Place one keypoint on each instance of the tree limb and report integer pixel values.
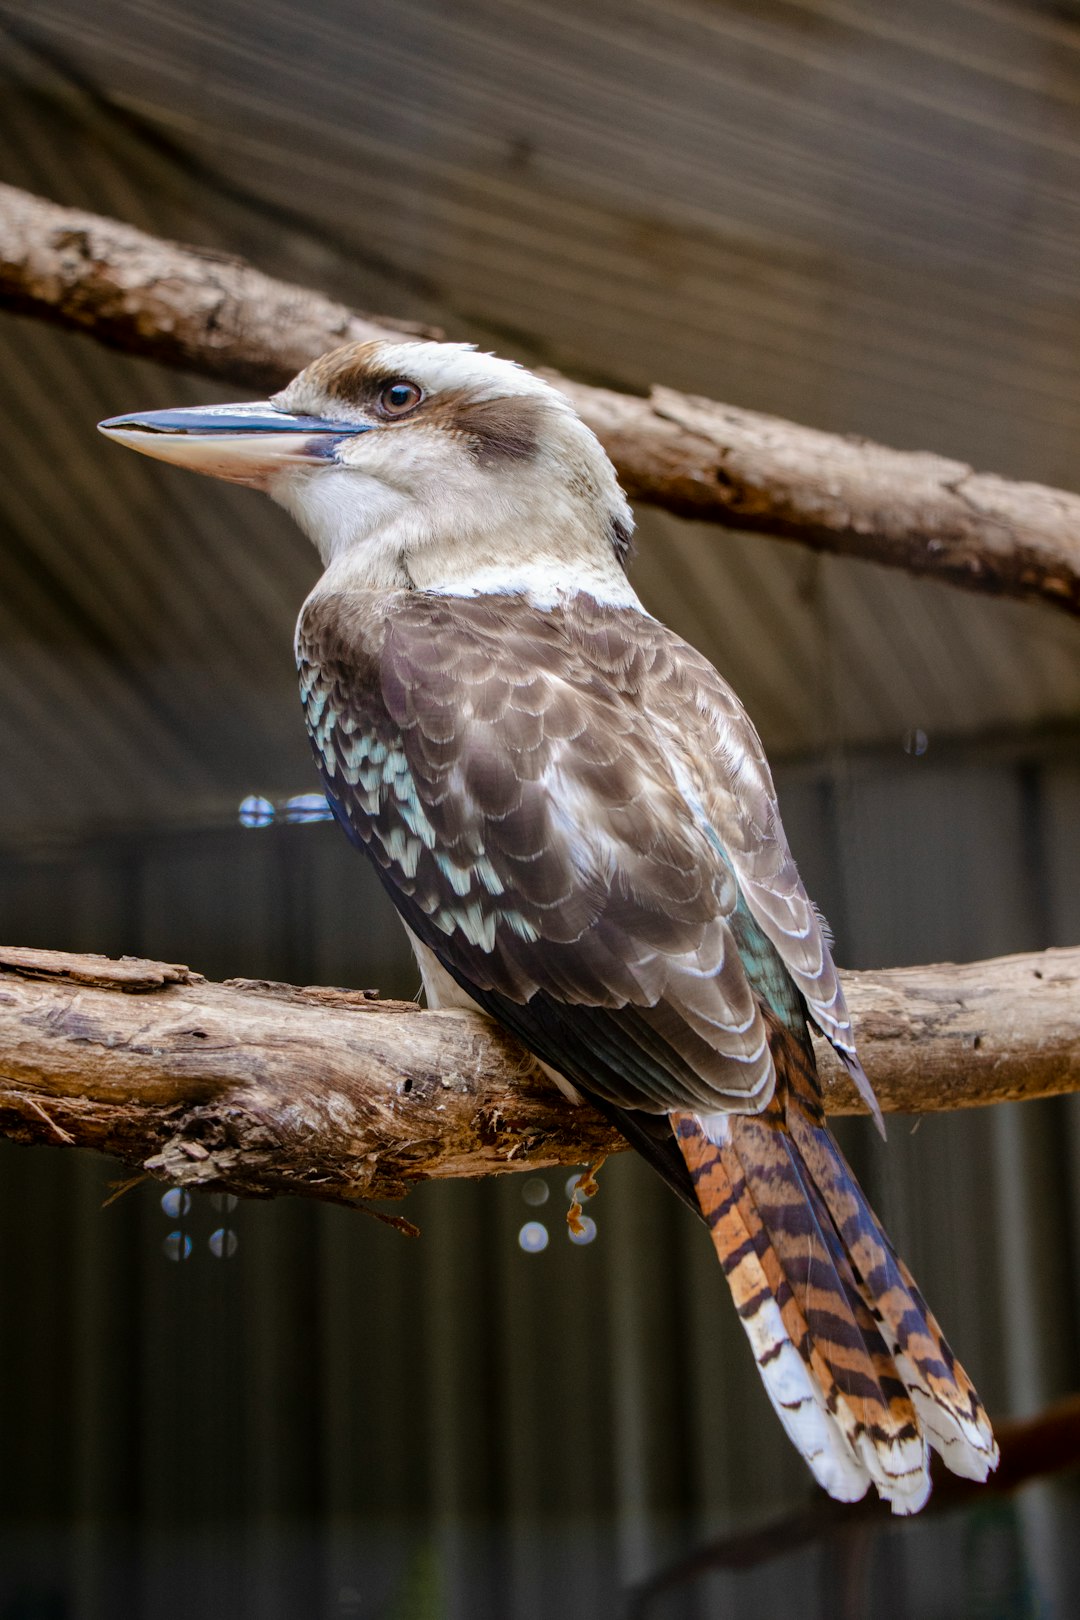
(267, 1088)
(210, 313)
(1031, 1448)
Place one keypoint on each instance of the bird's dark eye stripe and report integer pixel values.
(400, 396)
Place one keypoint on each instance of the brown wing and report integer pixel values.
(505, 770)
(725, 775)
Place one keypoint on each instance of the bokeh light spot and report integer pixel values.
(255, 811)
(304, 807)
(176, 1202)
(533, 1237)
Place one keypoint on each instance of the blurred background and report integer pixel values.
(860, 214)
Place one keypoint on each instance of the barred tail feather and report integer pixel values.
(853, 1362)
(945, 1400)
(796, 1396)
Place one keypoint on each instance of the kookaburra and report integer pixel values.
(574, 817)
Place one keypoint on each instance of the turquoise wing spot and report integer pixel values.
(375, 793)
(315, 701)
(416, 820)
(765, 967)
(459, 878)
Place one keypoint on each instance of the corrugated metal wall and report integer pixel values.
(452, 1427)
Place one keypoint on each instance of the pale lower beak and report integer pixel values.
(246, 444)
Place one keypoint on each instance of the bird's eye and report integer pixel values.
(400, 396)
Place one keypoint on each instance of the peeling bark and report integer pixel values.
(268, 1088)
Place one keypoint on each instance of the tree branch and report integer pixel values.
(1031, 1448)
(206, 312)
(268, 1089)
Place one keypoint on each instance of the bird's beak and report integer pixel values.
(246, 444)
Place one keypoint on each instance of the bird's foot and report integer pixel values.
(586, 1186)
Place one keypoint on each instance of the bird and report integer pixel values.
(574, 817)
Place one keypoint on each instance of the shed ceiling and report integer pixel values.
(861, 216)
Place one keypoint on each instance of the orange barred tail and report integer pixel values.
(854, 1364)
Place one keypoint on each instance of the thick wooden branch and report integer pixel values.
(217, 315)
(267, 1088)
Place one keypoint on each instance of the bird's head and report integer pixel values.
(418, 464)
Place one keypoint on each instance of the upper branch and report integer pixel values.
(217, 315)
(266, 1088)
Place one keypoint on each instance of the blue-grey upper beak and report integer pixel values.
(246, 443)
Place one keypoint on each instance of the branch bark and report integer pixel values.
(217, 315)
(268, 1088)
